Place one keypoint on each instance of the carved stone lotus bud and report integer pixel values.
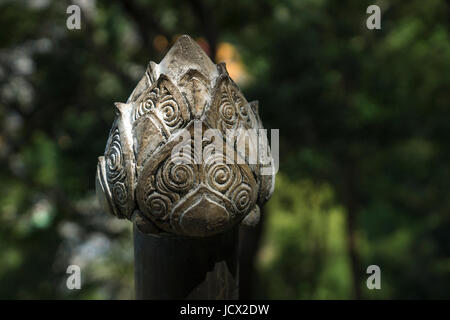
(210, 184)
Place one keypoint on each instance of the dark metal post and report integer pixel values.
(175, 267)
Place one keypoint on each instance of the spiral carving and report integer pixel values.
(115, 170)
(161, 102)
(179, 174)
(242, 106)
(158, 204)
(242, 198)
(244, 113)
(172, 179)
(231, 106)
(119, 191)
(220, 175)
(170, 111)
(147, 104)
(114, 159)
(227, 112)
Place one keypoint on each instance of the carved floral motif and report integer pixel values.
(140, 177)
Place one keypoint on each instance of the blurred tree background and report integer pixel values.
(364, 128)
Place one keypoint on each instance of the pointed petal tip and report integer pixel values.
(255, 106)
(185, 46)
(187, 42)
(120, 106)
(186, 54)
(184, 37)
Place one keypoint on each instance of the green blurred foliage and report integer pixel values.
(364, 129)
(304, 251)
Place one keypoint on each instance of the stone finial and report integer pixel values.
(184, 153)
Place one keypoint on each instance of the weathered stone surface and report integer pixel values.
(213, 182)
